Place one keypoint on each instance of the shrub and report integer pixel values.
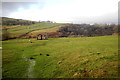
(5, 35)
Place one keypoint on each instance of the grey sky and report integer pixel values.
(10, 7)
(71, 11)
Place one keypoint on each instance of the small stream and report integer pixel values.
(32, 64)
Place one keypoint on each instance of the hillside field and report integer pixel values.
(86, 57)
(34, 29)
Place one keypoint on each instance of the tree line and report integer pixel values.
(88, 30)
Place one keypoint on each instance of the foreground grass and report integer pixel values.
(93, 57)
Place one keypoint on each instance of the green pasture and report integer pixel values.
(87, 57)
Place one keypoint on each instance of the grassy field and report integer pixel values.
(93, 57)
(48, 30)
(18, 30)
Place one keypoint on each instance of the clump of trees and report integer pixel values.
(5, 35)
(88, 30)
(11, 21)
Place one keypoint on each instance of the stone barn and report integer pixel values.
(42, 36)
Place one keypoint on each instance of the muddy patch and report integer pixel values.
(40, 53)
(31, 58)
(47, 55)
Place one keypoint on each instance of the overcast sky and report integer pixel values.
(65, 11)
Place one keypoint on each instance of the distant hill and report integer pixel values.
(12, 21)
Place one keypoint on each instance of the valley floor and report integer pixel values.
(87, 57)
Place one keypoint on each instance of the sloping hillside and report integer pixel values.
(17, 28)
(21, 30)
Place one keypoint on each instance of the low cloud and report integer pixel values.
(11, 7)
